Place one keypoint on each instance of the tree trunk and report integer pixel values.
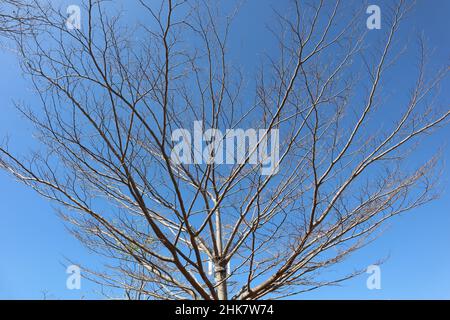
(220, 276)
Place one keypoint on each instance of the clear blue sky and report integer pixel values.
(34, 242)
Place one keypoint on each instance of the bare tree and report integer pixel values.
(113, 92)
(18, 17)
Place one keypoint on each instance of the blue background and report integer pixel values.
(34, 242)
